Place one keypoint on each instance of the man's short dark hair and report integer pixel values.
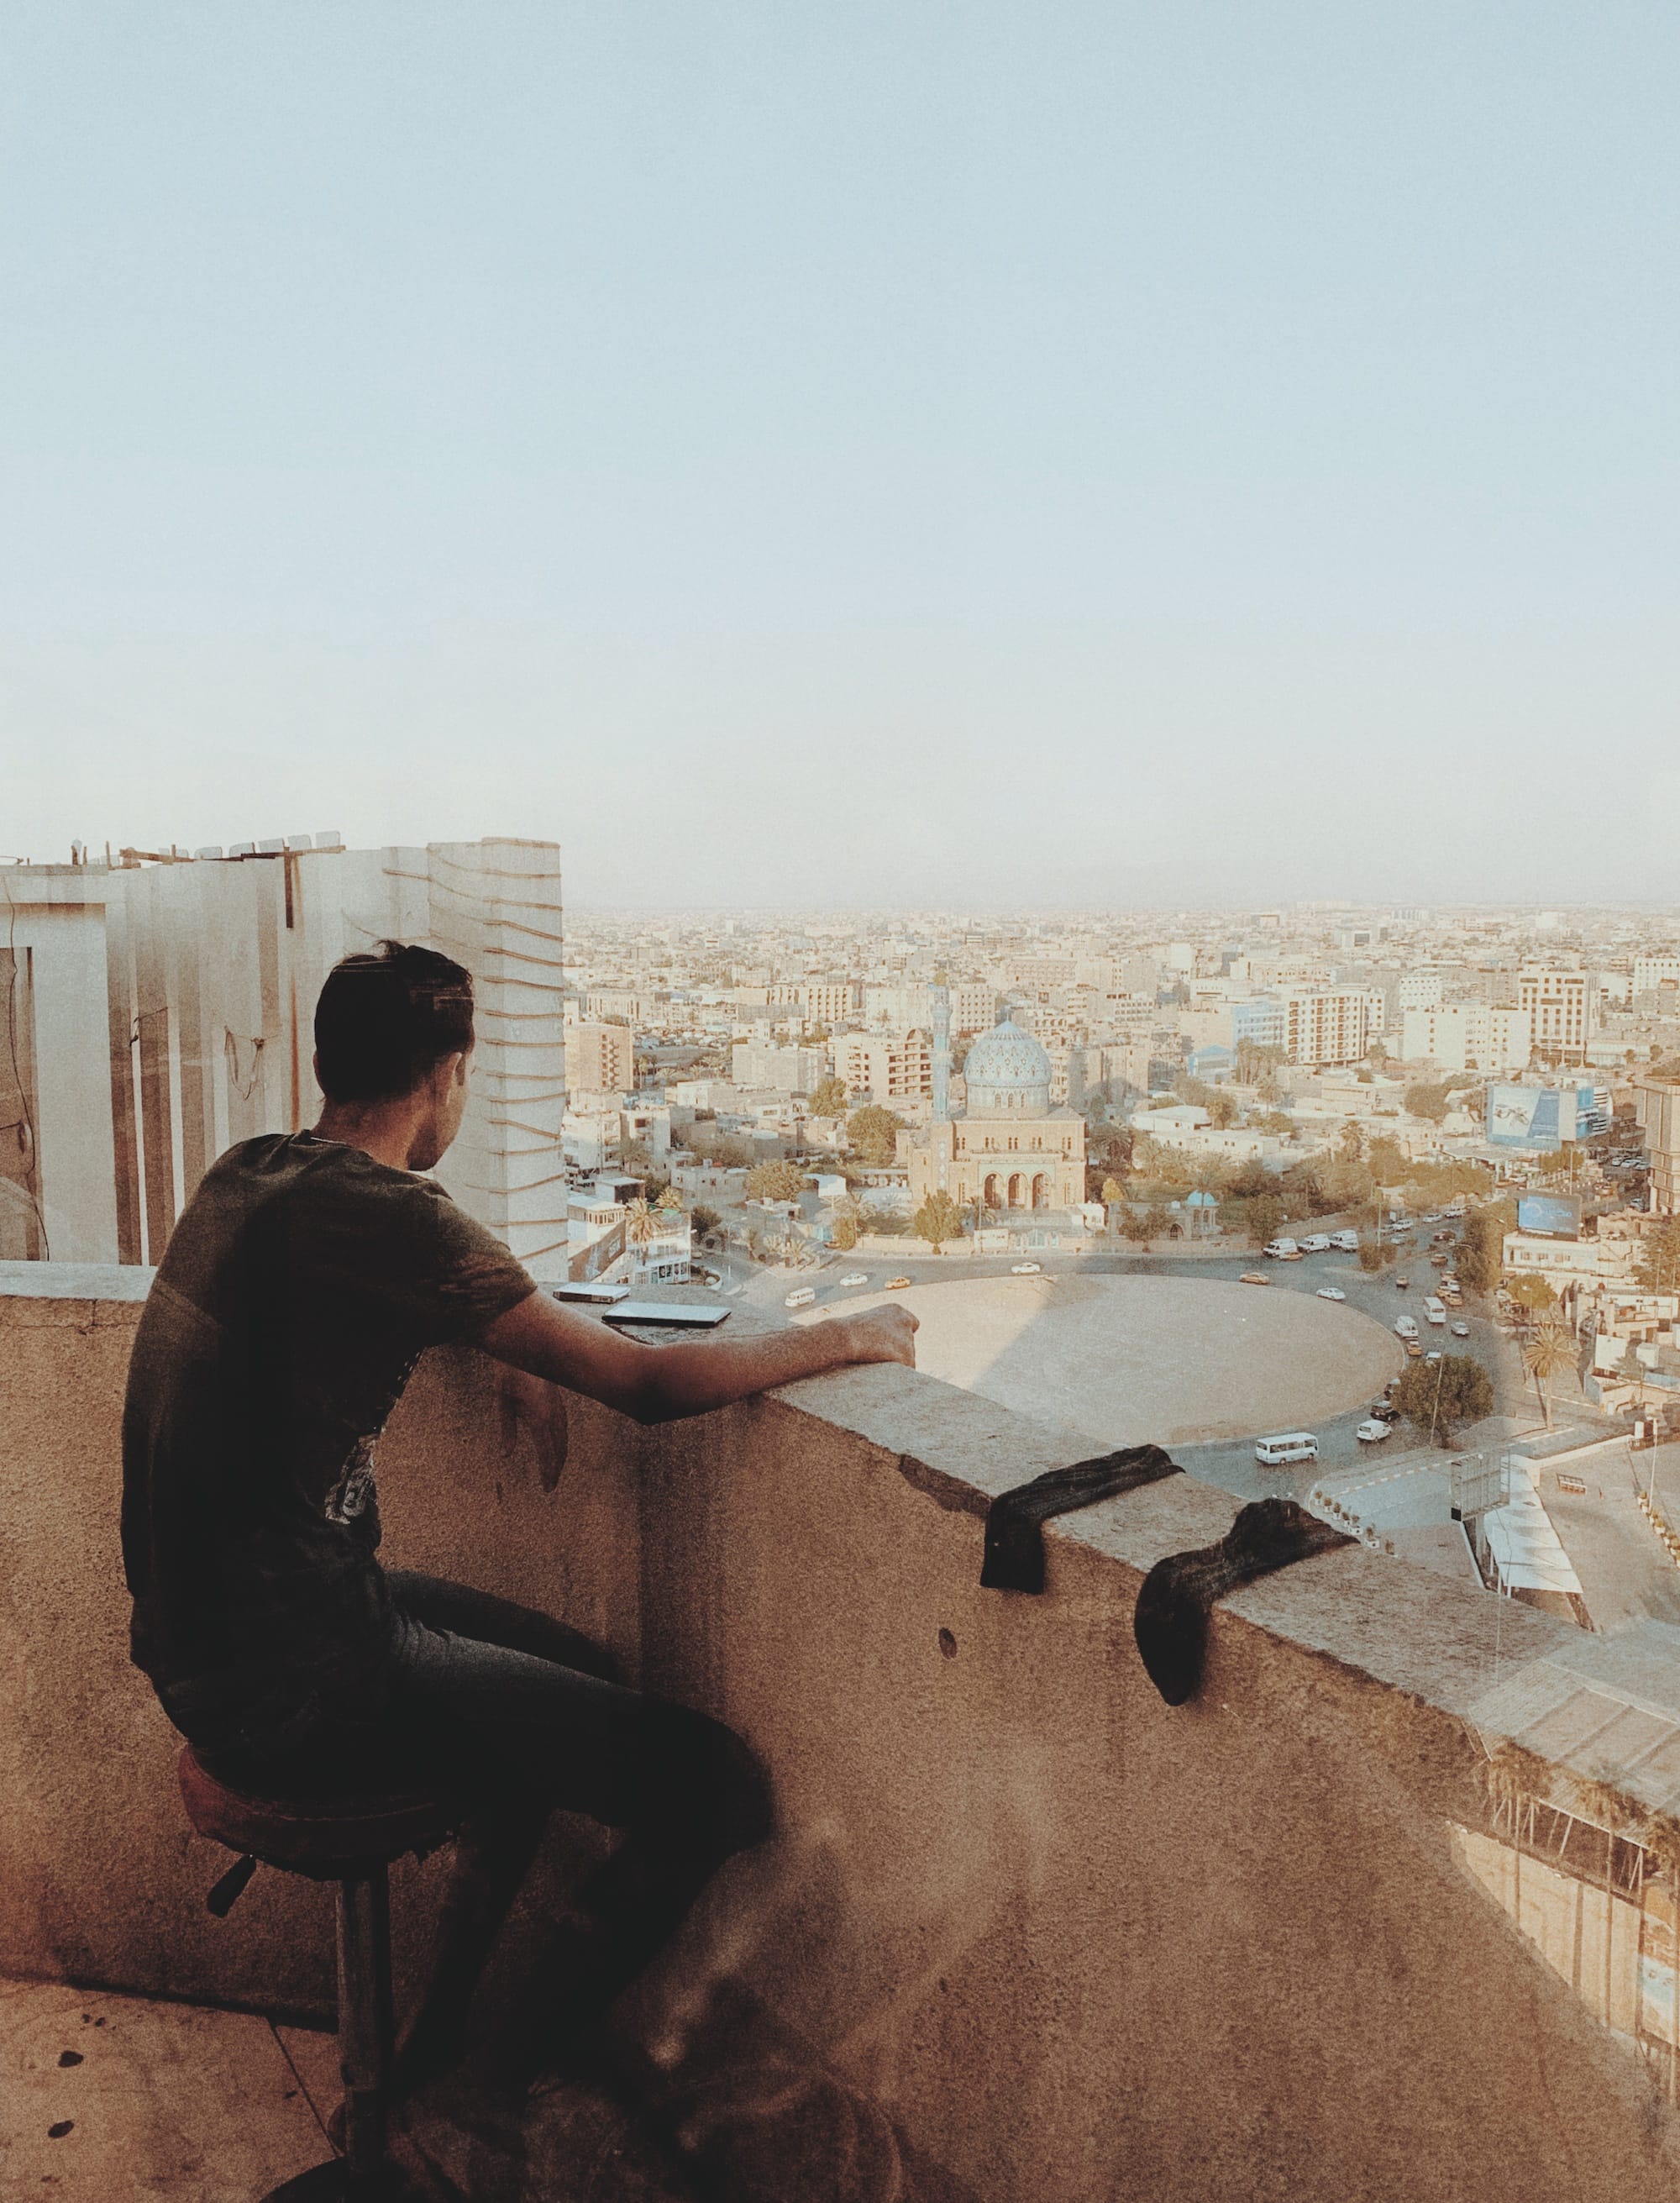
(384, 1021)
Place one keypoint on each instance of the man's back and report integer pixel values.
(302, 1283)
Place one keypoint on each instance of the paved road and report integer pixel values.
(1230, 1462)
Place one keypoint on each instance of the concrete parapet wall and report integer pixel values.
(1081, 1945)
(103, 1880)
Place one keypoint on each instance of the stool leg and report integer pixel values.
(364, 2020)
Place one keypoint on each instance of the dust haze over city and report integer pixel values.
(1025, 661)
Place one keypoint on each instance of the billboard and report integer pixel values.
(1554, 1215)
(1541, 1118)
(1525, 1117)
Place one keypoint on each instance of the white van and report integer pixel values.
(1317, 1244)
(1436, 1310)
(1282, 1452)
(802, 1298)
(1405, 1327)
(1347, 1242)
(1281, 1250)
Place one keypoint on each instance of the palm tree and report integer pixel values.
(1549, 1349)
(642, 1226)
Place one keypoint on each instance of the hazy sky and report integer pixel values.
(851, 453)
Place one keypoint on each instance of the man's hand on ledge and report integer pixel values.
(883, 1334)
(659, 1384)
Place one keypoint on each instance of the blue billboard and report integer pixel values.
(1525, 1117)
(1554, 1215)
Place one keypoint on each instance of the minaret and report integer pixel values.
(942, 1054)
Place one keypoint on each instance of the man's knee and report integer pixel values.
(709, 1781)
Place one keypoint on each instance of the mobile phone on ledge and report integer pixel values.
(592, 1295)
(673, 1313)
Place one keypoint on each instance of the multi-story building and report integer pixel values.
(1329, 1025)
(1562, 1007)
(1652, 972)
(889, 1070)
(1659, 1119)
(600, 1059)
(830, 1002)
(1420, 991)
(1469, 1037)
(783, 1070)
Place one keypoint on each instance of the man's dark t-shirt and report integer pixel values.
(301, 1286)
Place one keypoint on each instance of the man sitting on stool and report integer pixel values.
(305, 1279)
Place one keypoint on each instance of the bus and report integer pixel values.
(802, 1297)
(1435, 1309)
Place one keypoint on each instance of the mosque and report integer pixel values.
(1009, 1151)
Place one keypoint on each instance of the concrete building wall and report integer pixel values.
(1080, 1945)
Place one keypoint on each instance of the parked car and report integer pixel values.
(1026, 1269)
(1461, 1331)
(1414, 1351)
(1253, 1277)
(1371, 1433)
(895, 1285)
(1384, 1410)
(1281, 1250)
(1401, 1284)
(854, 1278)
(1317, 1243)
(1434, 1355)
(1347, 1242)
(1288, 1447)
(1405, 1327)
(1331, 1293)
(1441, 1238)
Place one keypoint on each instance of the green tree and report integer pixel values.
(704, 1221)
(1551, 1348)
(847, 1224)
(1135, 1225)
(1534, 1295)
(671, 1200)
(1437, 1396)
(1222, 1108)
(828, 1098)
(871, 1131)
(939, 1219)
(1425, 1100)
(1112, 1191)
(1387, 1158)
(1157, 1222)
(1375, 1254)
(883, 1223)
(775, 1181)
(1658, 1260)
(1479, 1262)
(1264, 1219)
(1351, 1146)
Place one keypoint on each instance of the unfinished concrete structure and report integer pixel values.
(157, 1013)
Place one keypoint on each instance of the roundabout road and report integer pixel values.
(1228, 1462)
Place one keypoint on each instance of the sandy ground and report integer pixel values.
(1128, 1359)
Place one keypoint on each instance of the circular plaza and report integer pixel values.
(1121, 1361)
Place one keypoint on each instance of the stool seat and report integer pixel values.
(327, 1838)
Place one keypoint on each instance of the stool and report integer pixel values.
(352, 1841)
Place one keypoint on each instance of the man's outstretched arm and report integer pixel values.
(658, 1384)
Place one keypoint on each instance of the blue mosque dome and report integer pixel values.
(1007, 1074)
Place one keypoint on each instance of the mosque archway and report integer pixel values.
(1040, 1198)
(990, 1194)
(1016, 1200)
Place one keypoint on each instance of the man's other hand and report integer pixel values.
(540, 1407)
(885, 1334)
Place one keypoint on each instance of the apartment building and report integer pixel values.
(1660, 1119)
(1562, 1007)
(600, 1059)
(889, 1070)
(830, 1002)
(1332, 1025)
(1469, 1037)
(784, 1070)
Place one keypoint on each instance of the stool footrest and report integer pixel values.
(231, 1888)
